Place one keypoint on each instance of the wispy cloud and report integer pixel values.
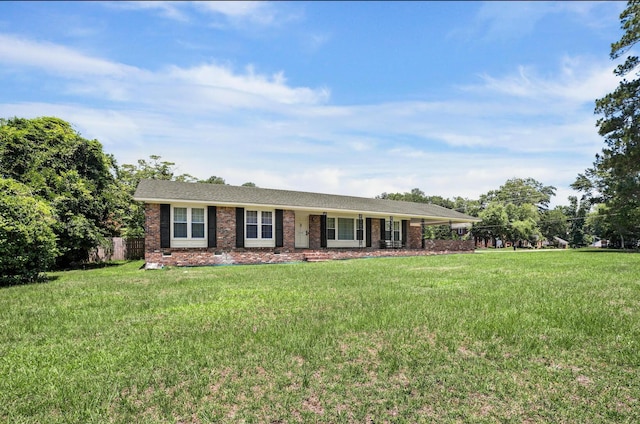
(506, 20)
(207, 86)
(577, 80)
(218, 84)
(58, 59)
(245, 125)
(168, 9)
(262, 13)
(220, 13)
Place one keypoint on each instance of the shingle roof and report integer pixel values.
(158, 191)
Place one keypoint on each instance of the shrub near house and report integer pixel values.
(27, 241)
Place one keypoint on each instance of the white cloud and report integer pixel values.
(247, 14)
(61, 60)
(579, 80)
(243, 89)
(246, 126)
(205, 87)
(252, 11)
(505, 20)
(168, 9)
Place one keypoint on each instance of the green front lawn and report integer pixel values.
(549, 336)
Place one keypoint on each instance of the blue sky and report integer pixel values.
(354, 98)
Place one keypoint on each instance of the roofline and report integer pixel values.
(435, 219)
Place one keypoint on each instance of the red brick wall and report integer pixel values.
(314, 231)
(152, 227)
(289, 229)
(227, 253)
(226, 224)
(414, 240)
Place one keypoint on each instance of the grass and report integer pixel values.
(520, 337)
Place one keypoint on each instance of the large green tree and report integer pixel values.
(577, 216)
(554, 223)
(523, 201)
(70, 173)
(521, 191)
(439, 232)
(614, 178)
(494, 224)
(523, 224)
(27, 242)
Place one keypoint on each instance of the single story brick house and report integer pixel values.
(215, 224)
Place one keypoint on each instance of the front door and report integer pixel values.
(302, 230)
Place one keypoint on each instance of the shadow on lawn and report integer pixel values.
(46, 278)
(42, 279)
(606, 250)
(95, 265)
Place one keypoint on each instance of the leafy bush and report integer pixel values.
(72, 174)
(27, 240)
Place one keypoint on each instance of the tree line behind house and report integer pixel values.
(62, 195)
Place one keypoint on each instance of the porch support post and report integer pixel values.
(323, 230)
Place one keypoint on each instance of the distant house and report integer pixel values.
(209, 224)
(562, 243)
(598, 242)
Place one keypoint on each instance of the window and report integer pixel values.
(345, 229)
(252, 224)
(188, 223)
(197, 223)
(397, 232)
(267, 225)
(262, 220)
(331, 228)
(344, 232)
(180, 222)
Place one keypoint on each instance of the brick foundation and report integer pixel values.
(226, 253)
(201, 257)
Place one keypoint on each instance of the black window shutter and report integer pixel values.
(368, 231)
(405, 232)
(383, 234)
(359, 230)
(165, 225)
(323, 230)
(239, 227)
(279, 228)
(212, 233)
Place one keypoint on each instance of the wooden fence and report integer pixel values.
(120, 249)
(134, 248)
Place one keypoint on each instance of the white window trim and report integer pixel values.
(188, 241)
(334, 228)
(396, 223)
(260, 242)
(331, 243)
